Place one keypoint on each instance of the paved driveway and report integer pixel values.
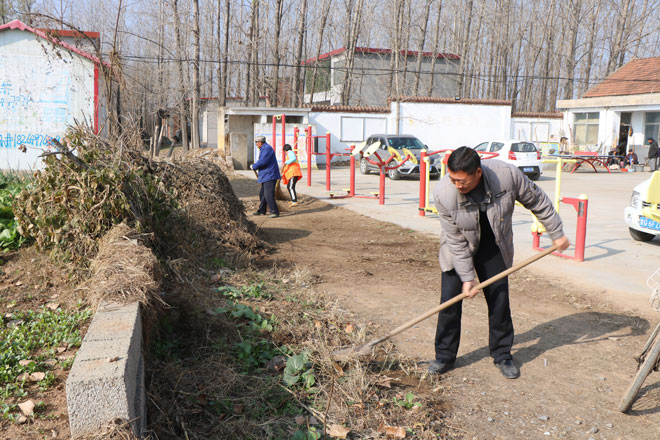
(615, 264)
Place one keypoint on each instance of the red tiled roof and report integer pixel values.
(636, 77)
(412, 53)
(348, 108)
(430, 99)
(17, 24)
(548, 115)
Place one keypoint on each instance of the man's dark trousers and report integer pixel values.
(488, 262)
(267, 197)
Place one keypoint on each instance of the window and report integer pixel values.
(497, 146)
(523, 147)
(651, 125)
(482, 146)
(586, 128)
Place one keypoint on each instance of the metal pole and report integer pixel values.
(422, 184)
(274, 140)
(381, 192)
(581, 233)
(328, 159)
(352, 186)
(308, 139)
(283, 137)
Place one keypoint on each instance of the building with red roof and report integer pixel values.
(48, 80)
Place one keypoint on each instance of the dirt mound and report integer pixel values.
(213, 222)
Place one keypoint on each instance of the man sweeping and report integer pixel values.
(475, 202)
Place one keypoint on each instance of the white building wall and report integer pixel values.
(537, 129)
(441, 126)
(42, 91)
(346, 129)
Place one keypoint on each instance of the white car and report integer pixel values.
(522, 154)
(643, 214)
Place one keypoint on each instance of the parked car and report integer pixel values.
(399, 142)
(643, 214)
(522, 154)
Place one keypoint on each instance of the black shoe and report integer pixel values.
(274, 215)
(439, 367)
(258, 213)
(508, 369)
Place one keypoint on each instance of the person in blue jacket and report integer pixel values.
(269, 174)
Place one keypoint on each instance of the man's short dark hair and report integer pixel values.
(464, 159)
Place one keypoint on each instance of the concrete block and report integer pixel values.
(107, 377)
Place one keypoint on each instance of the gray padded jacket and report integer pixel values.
(459, 217)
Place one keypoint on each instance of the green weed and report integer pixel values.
(408, 402)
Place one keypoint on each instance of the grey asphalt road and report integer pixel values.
(615, 265)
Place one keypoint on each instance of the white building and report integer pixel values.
(46, 83)
(623, 107)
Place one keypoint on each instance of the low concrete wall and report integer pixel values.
(107, 377)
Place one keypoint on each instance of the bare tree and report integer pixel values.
(302, 22)
(183, 119)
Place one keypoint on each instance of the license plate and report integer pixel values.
(647, 223)
(528, 170)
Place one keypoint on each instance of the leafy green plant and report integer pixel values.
(254, 291)
(306, 434)
(298, 371)
(408, 402)
(34, 336)
(10, 186)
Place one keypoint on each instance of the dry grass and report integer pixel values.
(124, 270)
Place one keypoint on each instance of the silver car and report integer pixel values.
(398, 142)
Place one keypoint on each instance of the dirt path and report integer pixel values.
(575, 352)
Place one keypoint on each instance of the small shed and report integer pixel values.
(47, 82)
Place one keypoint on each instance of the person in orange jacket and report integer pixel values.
(291, 173)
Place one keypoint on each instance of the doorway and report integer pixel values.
(625, 131)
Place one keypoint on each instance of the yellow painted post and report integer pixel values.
(428, 182)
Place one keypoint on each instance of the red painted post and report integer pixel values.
(274, 140)
(536, 240)
(283, 137)
(422, 184)
(352, 185)
(381, 191)
(328, 159)
(581, 233)
(308, 140)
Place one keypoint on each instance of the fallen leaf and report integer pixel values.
(114, 359)
(349, 328)
(21, 420)
(300, 420)
(60, 349)
(15, 323)
(338, 369)
(384, 381)
(23, 377)
(27, 408)
(313, 421)
(19, 283)
(337, 431)
(53, 433)
(318, 324)
(24, 362)
(54, 296)
(50, 363)
(392, 431)
(53, 306)
(238, 409)
(276, 364)
(202, 400)
(37, 376)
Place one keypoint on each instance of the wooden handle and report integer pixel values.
(462, 296)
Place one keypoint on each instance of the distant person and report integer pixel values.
(475, 202)
(653, 154)
(631, 158)
(291, 173)
(269, 174)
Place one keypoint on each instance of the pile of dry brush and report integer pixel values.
(185, 212)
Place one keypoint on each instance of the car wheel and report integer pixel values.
(535, 176)
(393, 174)
(364, 166)
(640, 236)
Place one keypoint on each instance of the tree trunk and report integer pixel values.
(464, 46)
(298, 91)
(276, 71)
(183, 120)
(420, 45)
(436, 41)
(354, 32)
(222, 98)
(324, 21)
(251, 85)
(194, 126)
(617, 43)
